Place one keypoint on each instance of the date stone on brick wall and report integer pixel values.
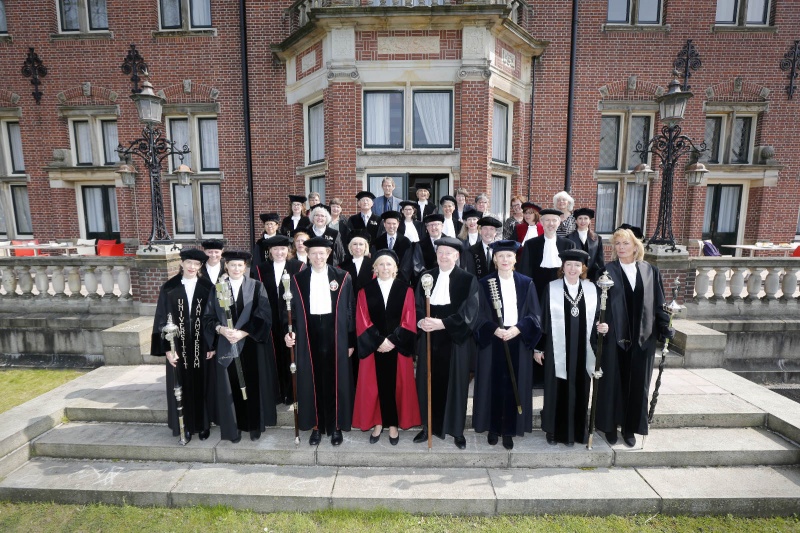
(408, 45)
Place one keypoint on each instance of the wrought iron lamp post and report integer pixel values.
(153, 148)
(669, 146)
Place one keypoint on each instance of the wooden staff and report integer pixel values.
(287, 295)
(225, 298)
(498, 306)
(427, 285)
(605, 283)
(169, 331)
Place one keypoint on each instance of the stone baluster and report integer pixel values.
(789, 284)
(73, 280)
(737, 283)
(90, 281)
(772, 283)
(720, 283)
(701, 283)
(754, 284)
(107, 282)
(25, 281)
(123, 282)
(41, 280)
(9, 283)
(59, 282)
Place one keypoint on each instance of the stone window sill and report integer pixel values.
(169, 34)
(731, 28)
(82, 36)
(636, 28)
(5, 38)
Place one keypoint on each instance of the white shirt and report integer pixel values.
(441, 291)
(366, 217)
(411, 232)
(278, 272)
(189, 286)
(508, 291)
(319, 293)
(583, 235)
(303, 258)
(386, 287)
(357, 262)
(572, 289)
(295, 220)
(319, 232)
(533, 231)
(213, 271)
(449, 229)
(236, 284)
(550, 257)
(473, 238)
(630, 270)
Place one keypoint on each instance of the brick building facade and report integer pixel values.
(462, 93)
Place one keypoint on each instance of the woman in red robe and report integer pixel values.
(386, 329)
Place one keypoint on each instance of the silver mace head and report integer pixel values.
(170, 329)
(427, 284)
(605, 282)
(287, 294)
(495, 293)
(674, 307)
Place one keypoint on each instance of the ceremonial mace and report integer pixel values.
(169, 331)
(225, 298)
(498, 306)
(427, 285)
(605, 283)
(287, 295)
(672, 308)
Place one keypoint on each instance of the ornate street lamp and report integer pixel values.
(153, 148)
(669, 146)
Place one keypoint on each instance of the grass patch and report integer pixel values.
(45, 517)
(22, 384)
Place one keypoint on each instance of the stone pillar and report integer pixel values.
(673, 265)
(154, 266)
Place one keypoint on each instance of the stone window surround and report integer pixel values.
(741, 24)
(186, 29)
(84, 32)
(633, 20)
(8, 114)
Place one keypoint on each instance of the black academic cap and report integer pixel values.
(471, 212)
(318, 242)
(574, 254)
(433, 217)
(505, 246)
(550, 211)
(451, 242)
(391, 214)
(270, 217)
(490, 221)
(237, 255)
(362, 194)
(195, 254)
(277, 240)
(583, 211)
(297, 198)
(447, 198)
(212, 244)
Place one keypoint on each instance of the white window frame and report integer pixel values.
(307, 131)
(186, 18)
(84, 23)
(6, 157)
(740, 10)
(194, 158)
(502, 203)
(403, 121)
(3, 18)
(8, 209)
(81, 205)
(633, 14)
(509, 129)
(98, 147)
(196, 187)
(726, 136)
(409, 117)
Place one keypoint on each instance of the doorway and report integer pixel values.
(100, 211)
(721, 218)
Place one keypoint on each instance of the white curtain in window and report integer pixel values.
(83, 143)
(316, 133)
(500, 132)
(209, 147)
(179, 134)
(707, 212)
(433, 113)
(728, 209)
(98, 15)
(69, 15)
(499, 200)
(15, 140)
(183, 208)
(170, 13)
(201, 13)
(378, 116)
(22, 209)
(318, 185)
(212, 208)
(110, 141)
(3, 25)
(606, 205)
(4, 227)
(635, 201)
(112, 205)
(93, 205)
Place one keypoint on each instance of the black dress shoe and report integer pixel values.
(373, 438)
(205, 434)
(461, 442)
(315, 437)
(551, 440)
(508, 442)
(187, 437)
(611, 437)
(394, 440)
(629, 439)
(255, 435)
(238, 437)
(422, 436)
(336, 438)
(492, 438)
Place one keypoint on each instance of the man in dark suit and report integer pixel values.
(365, 219)
(481, 251)
(540, 255)
(392, 240)
(433, 226)
(387, 202)
(588, 241)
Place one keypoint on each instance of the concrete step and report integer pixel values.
(663, 447)
(768, 491)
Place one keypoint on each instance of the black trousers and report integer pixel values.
(322, 332)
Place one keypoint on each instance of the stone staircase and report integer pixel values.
(719, 444)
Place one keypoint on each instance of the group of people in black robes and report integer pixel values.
(373, 308)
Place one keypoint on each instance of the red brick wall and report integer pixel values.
(316, 49)
(342, 139)
(476, 139)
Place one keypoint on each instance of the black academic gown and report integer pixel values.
(430, 208)
(530, 263)
(494, 407)
(252, 314)
(260, 251)
(594, 248)
(373, 227)
(331, 235)
(195, 373)
(451, 351)
(265, 273)
(343, 337)
(566, 400)
(635, 320)
(419, 226)
(204, 271)
(287, 226)
(403, 249)
(478, 257)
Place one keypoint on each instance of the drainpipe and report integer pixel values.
(248, 147)
(530, 133)
(571, 104)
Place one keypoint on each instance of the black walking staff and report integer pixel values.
(672, 308)
(225, 298)
(498, 306)
(287, 295)
(169, 331)
(605, 283)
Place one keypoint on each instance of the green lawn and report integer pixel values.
(22, 384)
(97, 518)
